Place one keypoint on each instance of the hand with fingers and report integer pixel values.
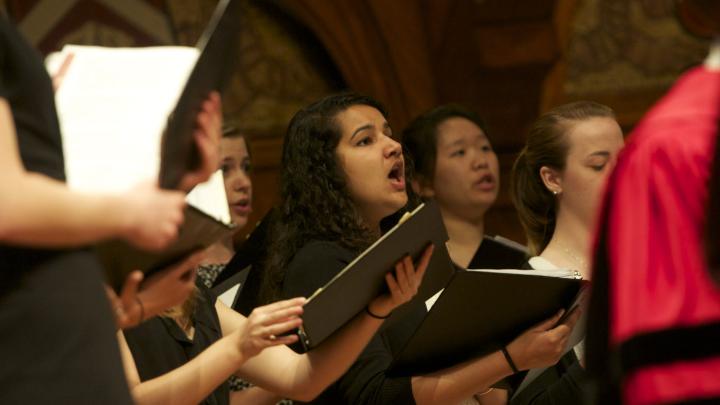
(161, 291)
(403, 284)
(151, 216)
(544, 344)
(267, 325)
(207, 138)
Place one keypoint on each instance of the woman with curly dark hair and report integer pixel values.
(342, 173)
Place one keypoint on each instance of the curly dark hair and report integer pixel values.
(315, 201)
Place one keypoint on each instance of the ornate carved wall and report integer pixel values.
(626, 54)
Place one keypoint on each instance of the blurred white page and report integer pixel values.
(113, 105)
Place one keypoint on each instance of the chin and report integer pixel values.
(484, 200)
(400, 200)
(239, 221)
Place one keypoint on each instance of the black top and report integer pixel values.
(366, 381)
(558, 385)
(57, 340)
(159, 345)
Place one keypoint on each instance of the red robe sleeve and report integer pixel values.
(661, 301)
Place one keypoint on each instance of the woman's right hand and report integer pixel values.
(266, 325)
(152, 216)
(544, 344)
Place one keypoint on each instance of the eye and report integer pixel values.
(364, 141)
(225, 167)
(598, 168)
(487, 148)
(247, 167)
(458, 153)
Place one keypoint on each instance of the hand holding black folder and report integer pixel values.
(185, 157)
(480, 312)
(350, 291)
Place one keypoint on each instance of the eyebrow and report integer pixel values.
(461, 141)
(600, 153)
(362, 128)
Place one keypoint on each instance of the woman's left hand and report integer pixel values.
(160, 291)
(403, 284)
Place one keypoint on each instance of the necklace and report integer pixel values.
(579, 261)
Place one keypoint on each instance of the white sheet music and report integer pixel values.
(113, 104)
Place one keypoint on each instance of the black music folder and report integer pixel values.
(250, 255)
(198, 231)
(179, 155)
(212, 72)
(496, 252)
(349, 292)
(479, 312)
(229, 289)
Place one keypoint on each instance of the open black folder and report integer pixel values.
(496, 252)
(179, 155)
(333, 305)
(480, 312)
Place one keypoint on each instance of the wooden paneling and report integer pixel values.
(516, 44)
(493, 56)
(379, 47)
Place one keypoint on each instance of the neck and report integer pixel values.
(712, 61)
(570, 245)
(219, 252)
(465, 235)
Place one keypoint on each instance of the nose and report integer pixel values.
(480, 160)
(241, 181)
(393, 148)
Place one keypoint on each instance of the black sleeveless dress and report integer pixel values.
(57, 338)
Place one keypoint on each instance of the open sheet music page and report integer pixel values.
(113, 105)
(560, 273)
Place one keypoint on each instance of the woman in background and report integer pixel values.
(557, 185)
(236, 167)
(455, 165)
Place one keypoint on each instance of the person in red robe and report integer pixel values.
(654, 337)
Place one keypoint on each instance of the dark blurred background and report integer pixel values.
(507, 59)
